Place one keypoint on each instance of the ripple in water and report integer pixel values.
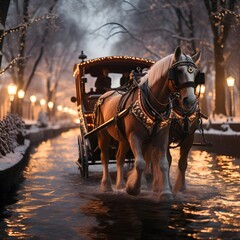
(54, 202)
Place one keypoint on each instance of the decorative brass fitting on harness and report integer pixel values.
(146, 119)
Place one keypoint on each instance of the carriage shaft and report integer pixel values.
(110, 121)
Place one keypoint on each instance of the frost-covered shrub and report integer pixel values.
(12, 132)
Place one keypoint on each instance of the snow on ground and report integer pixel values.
(225, 123)
(216, 119)
(13, 158)
(228, 131)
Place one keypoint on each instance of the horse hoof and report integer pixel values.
(106, 187)
(166, 197)
(182, 189)
(133, 192)
(120, 186)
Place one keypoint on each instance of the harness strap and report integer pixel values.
(186, 85)
(122, 105)
(184, 63)
(149, 109)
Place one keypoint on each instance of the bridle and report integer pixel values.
(175, 85)
(184, 118)
(173, 75)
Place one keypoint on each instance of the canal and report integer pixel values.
(52, 201)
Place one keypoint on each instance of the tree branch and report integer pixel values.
(10, 64)
(129, 33)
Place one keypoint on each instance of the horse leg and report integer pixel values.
(180, 184)
(156, 183)
(134, 179)
(169, 158)
(103, 143)
(166, 193)
(121, 155)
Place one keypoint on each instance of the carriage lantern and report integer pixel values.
(82, 56)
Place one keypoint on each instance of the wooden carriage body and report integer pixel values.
(89, 154)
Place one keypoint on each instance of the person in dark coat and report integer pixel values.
(103, 82)
(124, 79)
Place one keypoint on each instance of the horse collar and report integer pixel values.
(147, 117)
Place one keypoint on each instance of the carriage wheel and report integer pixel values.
(83, 157)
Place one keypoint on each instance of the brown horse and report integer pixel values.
(183, 137)
(145, 126)
(183, 126)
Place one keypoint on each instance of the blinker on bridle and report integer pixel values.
(173, 75)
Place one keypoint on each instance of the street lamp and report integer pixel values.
(42, 102)
(230, 83)
(50, 106)
(21, 94)
(12, 89)
(60, 108)
(33, 99)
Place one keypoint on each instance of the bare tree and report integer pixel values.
(154, 28)
(220, 17)
(30, 48)
(4, 5)
(58, 57)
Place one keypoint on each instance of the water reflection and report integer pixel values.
(54, 202)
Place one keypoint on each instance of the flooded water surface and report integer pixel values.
(54, 202)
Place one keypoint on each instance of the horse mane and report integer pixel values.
(159, 70)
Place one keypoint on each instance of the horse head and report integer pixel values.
(183, 79)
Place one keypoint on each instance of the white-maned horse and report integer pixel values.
(145, 126)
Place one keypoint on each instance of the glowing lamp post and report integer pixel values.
(33, 99)
(50, 106)
(21, 95)
(42, 102)
(60, 108)
(230, 83)
(12, 90)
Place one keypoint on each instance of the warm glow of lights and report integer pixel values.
(21, 93)
(59, 108)
(12, 89)
(201, 89)
(42, 102)
(230, 81)
(65, 109)
(116, 58)
(72, 112)
(77, 120)
(50, 104)
(33, 99)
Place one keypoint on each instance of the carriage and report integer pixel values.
(86, 73)
(139, 120)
